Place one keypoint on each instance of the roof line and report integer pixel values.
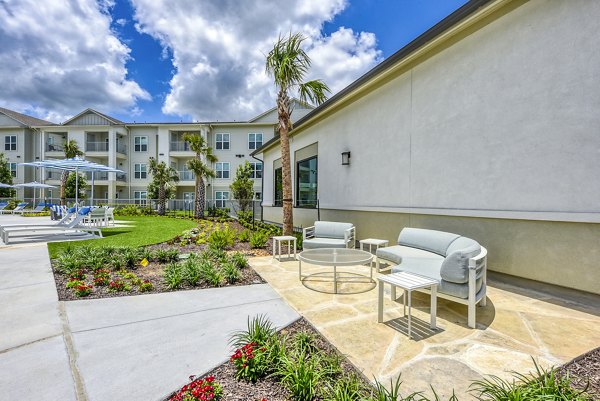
(109, 118)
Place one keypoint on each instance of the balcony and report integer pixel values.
(121, 148)
(180, 146)
(96, 146)
(51, 147)
(98, 176)
(121, 177)
(53, 175)
(186, 176)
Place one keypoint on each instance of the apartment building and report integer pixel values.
(129, 146)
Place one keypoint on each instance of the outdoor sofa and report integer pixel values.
(329, 234)
(458, 263)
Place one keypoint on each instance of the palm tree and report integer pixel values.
(71, 150)
(287, 63)
(162, 175)
(201, 169)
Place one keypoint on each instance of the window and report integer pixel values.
(256, 170)
(221, 198)
(222, 142)
(306, 183)
(140, 171)
(257, 196)
(10, 142)
(278, 198)
(140, 197)
(255, 141)
(140, 143)
(222, 170)
(13, 169)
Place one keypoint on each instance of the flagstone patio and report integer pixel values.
(519, 322)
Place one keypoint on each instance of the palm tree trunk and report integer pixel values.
(285, 124)
(200, 198)
(63, 187)
(161, 199)
(197, 209)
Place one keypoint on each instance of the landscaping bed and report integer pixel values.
(584, 372)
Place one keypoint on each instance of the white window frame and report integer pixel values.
(140, 197)
(222, 172)
(142, 173)
(256, 170)
(224, 142)
(141, 138)
(254, 144)
(221, 198)
(9, 143)
(13, 169)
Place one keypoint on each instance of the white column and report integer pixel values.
(112, 162)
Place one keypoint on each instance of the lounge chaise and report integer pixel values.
(329, 234)
(458, 263)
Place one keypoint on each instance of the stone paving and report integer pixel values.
(517, 324)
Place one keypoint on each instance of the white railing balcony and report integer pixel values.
(51, 147)
(121, 148)
(186, 176)
(180, 146)
(96, 146)
(98, 176)
(53, 175)
(121, 177)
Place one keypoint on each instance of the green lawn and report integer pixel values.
(144, 230)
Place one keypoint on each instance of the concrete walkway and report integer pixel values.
(134, 348)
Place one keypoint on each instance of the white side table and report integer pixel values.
(373, 242)
(408, 282)
(290, 239)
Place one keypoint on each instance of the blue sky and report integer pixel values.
(159, 60)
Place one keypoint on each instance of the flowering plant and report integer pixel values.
(199, 390)
(250, 362)
(77, 275)
(146, 286)
(83, 290)
(118, 285)
(73, 282)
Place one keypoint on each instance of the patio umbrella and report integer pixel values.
(75, 164)
(3, 185)
(35, 185)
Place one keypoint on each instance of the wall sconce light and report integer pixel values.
(161, 154)
(18, 157)
(240, 156)
(345, 158)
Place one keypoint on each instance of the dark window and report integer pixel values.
(256, 170)
(306, 183)
(10, 142)
(278, 198)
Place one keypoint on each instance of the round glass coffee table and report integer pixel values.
(336, 257)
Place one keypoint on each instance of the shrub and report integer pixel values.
(300, 376)
(199, 389)
(67, 263)
(191, 270)
(214, 254)
(239, 260)
(147, 254)
(166, 255)
(73, 283)
(222, 239)
(101, 278)
(77, 275)
(244, 236)
(173, 275)
(130, 257)
(118, 262)
(133, 210)
(259, 330)
(231, 272)
(245, 216)
(118, 285)
(346, 388)
(304, 343)
(210, 274)
(259, 239)
(146, 286)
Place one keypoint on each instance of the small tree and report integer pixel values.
(170, 190)
(162, 175)
(5, 177)
(200, 165)
(71, 150)
(242, 187)
(71, 184)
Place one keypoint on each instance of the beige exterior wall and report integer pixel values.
(493, 136)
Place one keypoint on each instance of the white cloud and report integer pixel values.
(59, 57)
(218, 49)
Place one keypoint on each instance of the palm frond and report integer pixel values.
(314, 91)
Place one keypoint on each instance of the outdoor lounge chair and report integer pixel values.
(96, 217)
(329, 234)
(74, 225)
(64, 221)
(20, 208)
(3, 206)
(39, 208)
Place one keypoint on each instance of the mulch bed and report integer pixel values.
(584, 372)
(269, 388)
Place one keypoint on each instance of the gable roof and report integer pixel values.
(112, 120)
(471, 8)
(24, 119)
(293, 101)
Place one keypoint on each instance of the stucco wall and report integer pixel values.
(503, 121)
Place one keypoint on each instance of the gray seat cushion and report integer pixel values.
(331, 229)
(456, 265)
(429, 240)
(315, 243)
(397, 253)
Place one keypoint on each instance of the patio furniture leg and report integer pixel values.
(404, 302)
(433, 311)
(279, 242)
(295, 248)
(300, 270)
(335, 279)
(380, 303)
(393, 293)
(409, 311)
(274, 247)
(289, 248)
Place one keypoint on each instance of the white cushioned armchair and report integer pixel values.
(329, 234)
